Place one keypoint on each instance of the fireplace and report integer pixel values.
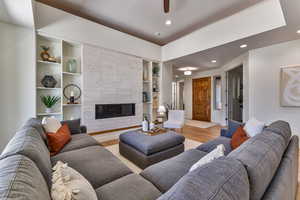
(104, 111)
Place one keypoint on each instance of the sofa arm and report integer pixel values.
(224, 132)
(83, 129)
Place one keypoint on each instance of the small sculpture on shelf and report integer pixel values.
(49, 102)
(72, 93)
(49, 81)
(45, 55)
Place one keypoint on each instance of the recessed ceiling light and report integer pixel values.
(187, 68)
(187, 73)
(298, 31)
(168, 22)
(213, 61)
(243, 46)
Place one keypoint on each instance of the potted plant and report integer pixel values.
(49, 102)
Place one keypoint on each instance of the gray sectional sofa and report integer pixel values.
(265, 167)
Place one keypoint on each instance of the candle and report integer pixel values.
(72, 93)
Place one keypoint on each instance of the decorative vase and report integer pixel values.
(72, 66)
(45, 54)
(48, 110)
(49, 81)
(145, 125)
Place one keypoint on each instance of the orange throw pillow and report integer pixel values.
(56, 141)
(238, 138)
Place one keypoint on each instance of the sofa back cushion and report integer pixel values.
(28, 142)
(281, 128)
(285, 182)
(223, 178)
(37, 124)
(21, 179)
(261, 155)
(74, 125)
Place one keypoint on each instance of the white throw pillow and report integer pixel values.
(68, 184)
(51, 124)
(214, 154)
(253, 127)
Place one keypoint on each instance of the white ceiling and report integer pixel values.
(18, 12)
(143, 18)
(225, 53)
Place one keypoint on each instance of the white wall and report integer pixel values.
(261, 84)
(61, 24)
(264, 65)
(218, 116)
(17, 79)
(167, 78)
(110, 78)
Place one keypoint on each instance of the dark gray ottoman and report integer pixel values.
(145, 150)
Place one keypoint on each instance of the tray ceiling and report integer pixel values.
(144, 18)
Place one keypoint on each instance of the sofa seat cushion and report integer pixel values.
(21, 179)
(98, 165)
(223, 178)
(130, 187)
(166, 173)
(151, 144)
(261, 155)
(28, 142)
(211, 145)
(79, 141)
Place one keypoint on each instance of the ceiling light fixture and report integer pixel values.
(243, 46)
(157, 33)
(187, 68)
(187, 73)
(298, 31)
(213, 61)
(168, 22)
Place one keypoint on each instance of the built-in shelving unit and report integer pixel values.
(151, 88)
(62, 51)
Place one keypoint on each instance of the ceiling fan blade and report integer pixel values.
(166, 6)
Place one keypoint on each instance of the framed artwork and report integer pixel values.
(290, 86)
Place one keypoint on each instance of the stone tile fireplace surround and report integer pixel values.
(110, 78)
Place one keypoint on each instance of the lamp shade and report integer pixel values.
(161, 109)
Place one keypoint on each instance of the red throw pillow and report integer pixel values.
(56, 141)
(238, 138)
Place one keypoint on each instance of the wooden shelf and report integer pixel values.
(48, 114)
(72, 74)
(47, 62)
(44, 88)
(69, 105)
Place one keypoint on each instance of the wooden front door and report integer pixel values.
(202, 99)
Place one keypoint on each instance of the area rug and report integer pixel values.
(189, 144)
(199, 124)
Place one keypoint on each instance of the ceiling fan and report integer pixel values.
(166, 6)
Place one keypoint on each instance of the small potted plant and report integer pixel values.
(49, 102)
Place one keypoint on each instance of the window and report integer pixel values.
(218, 93)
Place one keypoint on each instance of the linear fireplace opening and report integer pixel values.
(104, 111)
